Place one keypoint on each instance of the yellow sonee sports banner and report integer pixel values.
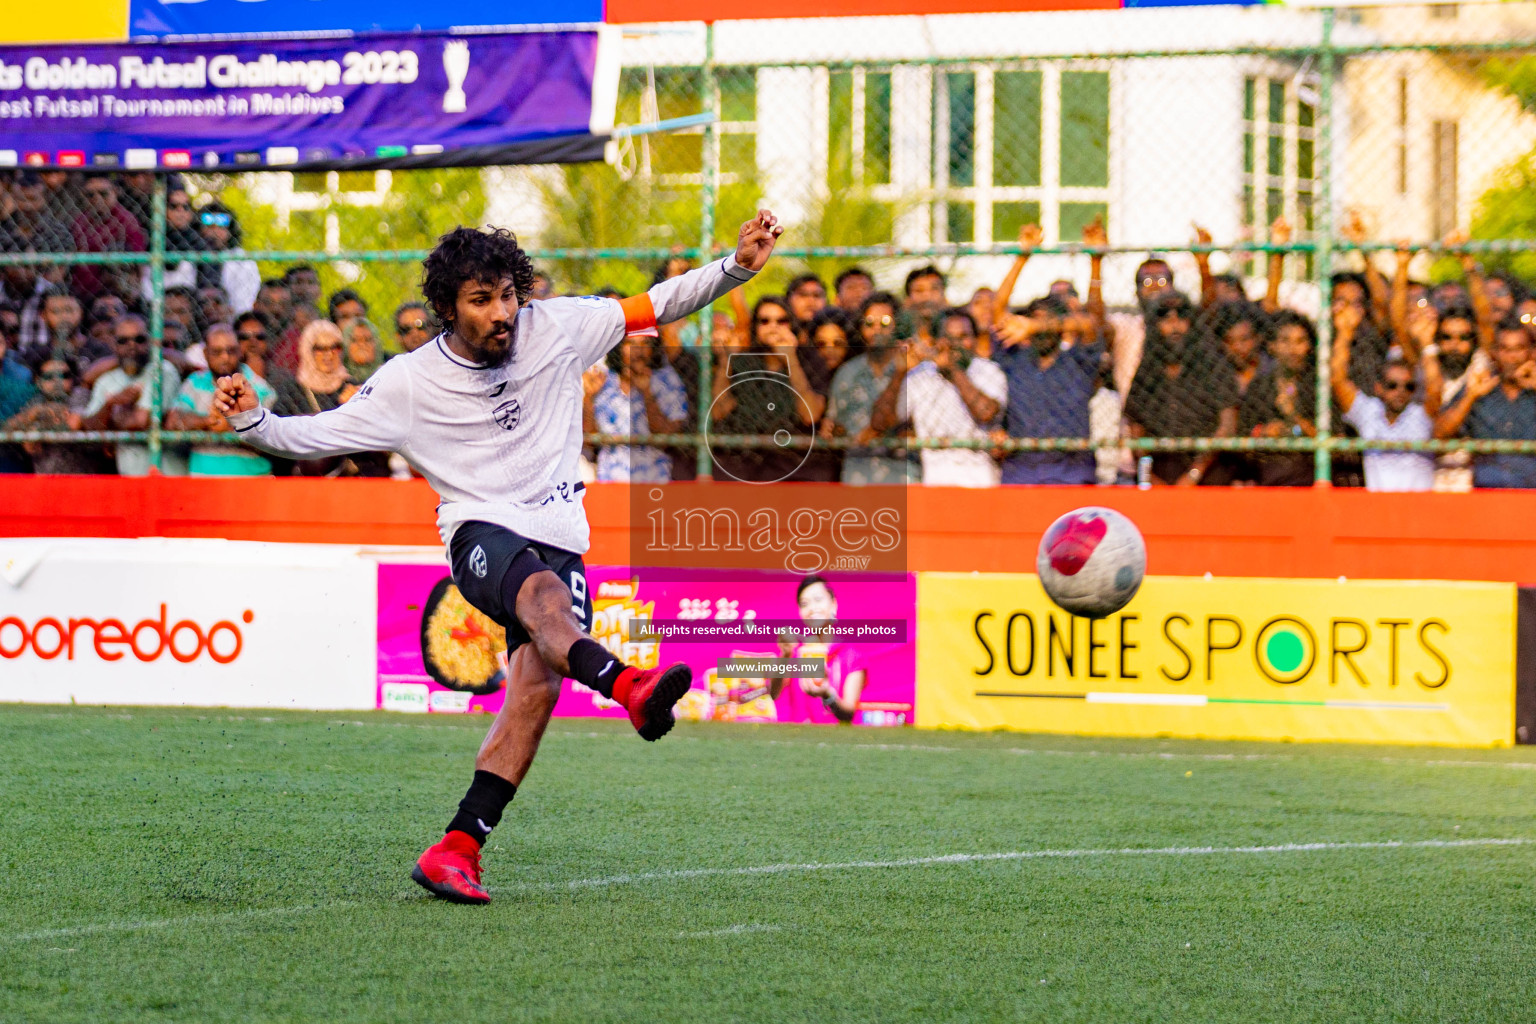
(1377, 662)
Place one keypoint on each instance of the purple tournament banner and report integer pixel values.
(268, 17)
(437, 653)
(398, 100)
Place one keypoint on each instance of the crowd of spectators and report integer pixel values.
(75, 345)
(1410, 362)
(920, 387)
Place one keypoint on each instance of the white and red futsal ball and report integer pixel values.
(1092, 561)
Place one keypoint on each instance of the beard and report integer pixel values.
(1455, 365)
(494, 347)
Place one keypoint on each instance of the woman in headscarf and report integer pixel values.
(332, 364)
(322, 373)
(324, 383)
(363, 354)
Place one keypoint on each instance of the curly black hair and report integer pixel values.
(465, 254)
(1224, 316)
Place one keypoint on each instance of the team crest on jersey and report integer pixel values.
(508, 413)
(477, 561)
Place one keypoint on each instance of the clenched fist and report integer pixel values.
(755, 242)
(233, 394)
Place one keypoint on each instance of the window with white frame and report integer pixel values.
(858, 128)
(1019, 144)
(1279, 155)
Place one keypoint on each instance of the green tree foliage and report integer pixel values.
(417, 208)
(592, 206)
(1508, 208)
(1516, 76)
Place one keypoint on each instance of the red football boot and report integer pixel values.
(648, 697)
(451, 869)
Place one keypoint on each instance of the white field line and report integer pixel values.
(578, 884)
(168, 922)
(1013, 855)
(735, 929)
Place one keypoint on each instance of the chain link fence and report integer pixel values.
(1270, 245)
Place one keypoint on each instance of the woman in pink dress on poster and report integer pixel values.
(834, 698)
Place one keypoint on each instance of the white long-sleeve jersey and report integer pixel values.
(499, 444)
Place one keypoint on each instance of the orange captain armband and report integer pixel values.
(639, 314)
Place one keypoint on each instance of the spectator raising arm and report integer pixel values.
(1434, 379)
(1487, 320)
(1353, 231)
(1096, 239)
(1479, 383)
(1279, 234)
(1030, 237)
(1203, 261)
(1344, 390)
(1399, 316)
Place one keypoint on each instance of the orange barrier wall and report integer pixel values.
(1302, 532)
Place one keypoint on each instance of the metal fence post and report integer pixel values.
(1324, 261)
(156, 314)
(711, 190)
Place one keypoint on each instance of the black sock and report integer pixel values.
(481, 807)
(592, 665)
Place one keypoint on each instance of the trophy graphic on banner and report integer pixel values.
(456, 65)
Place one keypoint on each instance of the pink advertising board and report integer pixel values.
(418, 613)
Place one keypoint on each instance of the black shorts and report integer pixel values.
(491, 562)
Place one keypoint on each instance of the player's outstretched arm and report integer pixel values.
(688, 293)
(376, 419)
(596, 325)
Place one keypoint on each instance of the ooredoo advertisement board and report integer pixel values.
(191, 622)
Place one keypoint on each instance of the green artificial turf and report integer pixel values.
(210, 866)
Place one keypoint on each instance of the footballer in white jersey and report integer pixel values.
(490, 414)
